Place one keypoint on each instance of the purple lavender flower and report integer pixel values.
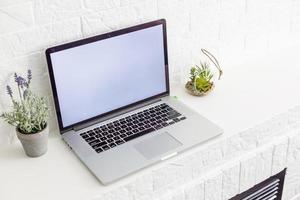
(9, 91)
(21, 82)
(16, 77)
(29, 76)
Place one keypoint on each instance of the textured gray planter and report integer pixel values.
(35, 144)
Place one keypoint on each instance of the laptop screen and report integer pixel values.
(98, 77)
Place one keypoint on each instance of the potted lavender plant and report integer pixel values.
(29, 116)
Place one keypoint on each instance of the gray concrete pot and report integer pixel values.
(35, 144)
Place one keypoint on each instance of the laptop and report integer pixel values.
(113, 103)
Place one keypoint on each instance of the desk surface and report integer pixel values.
(247, 95)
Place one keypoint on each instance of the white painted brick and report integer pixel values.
(101, 4)
(119, 17)
(128, 2)
(280, 23)
(258, 25)
(196, 165)
(213, 187)
(163, 177)
(176, 12)
(4, 3)
(247, 173)
(195, 191)
(203, 25)
(142, 187)
(279, 160)
(39, 38)
(263, 164)
(177, 195)
(50, 11)
(292, 182)
(212, 155)
(15, 18)
(295, 18)
(232, 15)
(237, 144)
(97, 23)
(120, 193)
(231, 179)
(6, 52)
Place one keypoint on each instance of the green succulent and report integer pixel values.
(201, 77)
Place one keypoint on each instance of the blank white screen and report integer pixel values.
(102, 76)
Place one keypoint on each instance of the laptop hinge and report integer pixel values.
(82, 126)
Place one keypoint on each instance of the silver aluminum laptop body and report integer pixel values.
(129, 157)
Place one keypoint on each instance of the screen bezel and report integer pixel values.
(62, 47)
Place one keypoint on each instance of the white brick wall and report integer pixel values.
(230, 28)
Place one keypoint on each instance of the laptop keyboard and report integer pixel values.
(123, 130)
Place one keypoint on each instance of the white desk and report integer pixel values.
(247, 95)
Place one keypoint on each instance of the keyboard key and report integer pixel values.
(123, 135)
(116, 133)
(104, 133)
(173, 114)
(182, 118)
(144, 132)
(119, 142)
(94, 142)
(122, 131)
(135, 130)
(96, 146)
(153, 123)
(129, 133)
(89, 139)
(84, 136)
(105, 147)
(92, 134)
(112, 145)
(158, 127)
(109, 140)
(98, 150)
(176, 120)
(147, 126)
(116, 138)
(103, 138)
(134, 126)
(110, 136)
(165, 124)
(123, 126)
(110, 131)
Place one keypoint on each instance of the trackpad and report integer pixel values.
(157, 145)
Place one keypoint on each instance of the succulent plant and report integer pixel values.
(201, 77)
